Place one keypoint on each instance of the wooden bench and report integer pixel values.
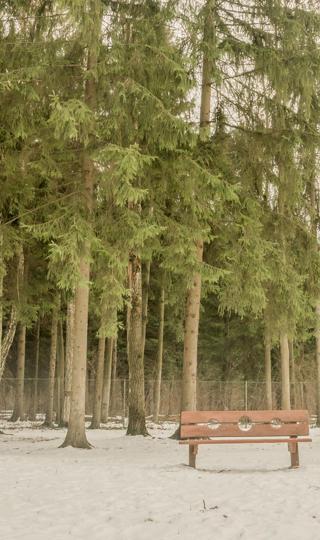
(230, 427)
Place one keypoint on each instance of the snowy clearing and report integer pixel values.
(141, 489)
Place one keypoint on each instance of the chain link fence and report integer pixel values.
(211, 395)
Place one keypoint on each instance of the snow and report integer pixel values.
(135, 488)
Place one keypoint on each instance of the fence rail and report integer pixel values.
(211, 395)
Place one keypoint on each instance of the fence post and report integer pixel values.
(246, 395)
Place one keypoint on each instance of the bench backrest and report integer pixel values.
(195, 424)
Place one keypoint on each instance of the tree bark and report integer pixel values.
(268, 370)
(36, 372)
(68, 362)
(107, 381)
(114, 374)
(293, 373)
(284, 342)
(207, 66)
(76, 434)
(61, 371)
(18, 412)
(137, 422)
(7, 340)
(2, 273)
(190, 353)
(314, 215)
(52, 368)
(318, 360)
(285, 371)
(96, 416)
(145, 300)
(157, 389)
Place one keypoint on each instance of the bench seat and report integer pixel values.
(243, 441)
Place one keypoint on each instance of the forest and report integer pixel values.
(159, 209)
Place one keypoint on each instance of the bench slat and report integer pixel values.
(243, 441)
(232, 430)
(194, 417)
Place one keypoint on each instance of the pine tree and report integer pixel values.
(76, 426)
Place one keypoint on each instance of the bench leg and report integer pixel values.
(294, 453)
(193, 449)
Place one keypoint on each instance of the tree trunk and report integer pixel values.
(68, 362)
(190, 353)
(137, 422)
(157, 390)
(90, 386)
(207, 67)
(314, 215)
(107, 381)
(293, 373)
(145, 299)
(268, 371)
(318, 360)
(285, 371)
(189, 376)
(87, 400)
(284, 342)
(36, 373)
(12, 325)
(60, 378)
(76, 435)
(2, 273)
(52, 368)
(18, 412)
(96, 416)
(114, 374)
(8, 339)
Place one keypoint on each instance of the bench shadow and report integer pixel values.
(238, 471)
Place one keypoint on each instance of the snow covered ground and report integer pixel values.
(134, 488)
